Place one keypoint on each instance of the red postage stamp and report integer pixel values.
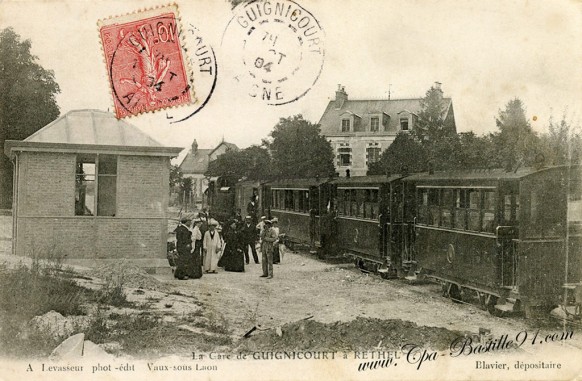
(145, 62)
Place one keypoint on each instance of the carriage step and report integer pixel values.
(507, 307)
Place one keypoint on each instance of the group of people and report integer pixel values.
(204, 246)
(198, 247)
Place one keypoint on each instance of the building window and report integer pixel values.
(345, 125)
(85, 187)
(374, 124)
(404, 124)
(96, 176)
(373, 154)
(345, 156)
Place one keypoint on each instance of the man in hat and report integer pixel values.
(249, 231)
(268, 238)
(276, 247)
(212, 245)
(183, 246)
(253, 209)
(261, 225)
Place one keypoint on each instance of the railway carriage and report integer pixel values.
(301, 207)
(369, 221)
(496, 235)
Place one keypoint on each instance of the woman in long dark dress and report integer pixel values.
(233, 256)
(184, 261)
(197, 249)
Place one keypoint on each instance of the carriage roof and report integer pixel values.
(365, 180)
(298, 183)
(485, 175)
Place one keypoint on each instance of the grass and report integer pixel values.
(29, 291)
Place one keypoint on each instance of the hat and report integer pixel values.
(263, 217)
(268, 222)
(183, 220)
(213, 222)
(248, 217)
(275, 219)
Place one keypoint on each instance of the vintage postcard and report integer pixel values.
(290, 190)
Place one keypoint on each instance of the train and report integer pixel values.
(509, 240)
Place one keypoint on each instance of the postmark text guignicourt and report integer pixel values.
(276, 49)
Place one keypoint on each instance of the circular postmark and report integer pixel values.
(202, 62)
(275, 49)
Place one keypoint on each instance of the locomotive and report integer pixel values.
(510, 240)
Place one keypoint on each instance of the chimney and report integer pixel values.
(194, 147)
(340, 96)
(438, 86)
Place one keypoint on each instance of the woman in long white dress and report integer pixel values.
(212, 248)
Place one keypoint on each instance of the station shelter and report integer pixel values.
(91, 189)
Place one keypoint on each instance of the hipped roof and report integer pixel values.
(90, 131)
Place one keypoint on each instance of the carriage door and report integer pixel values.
(408, 217)
(506, 234)
(314, 208)
(396, 229)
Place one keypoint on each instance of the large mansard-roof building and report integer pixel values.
(360, 130)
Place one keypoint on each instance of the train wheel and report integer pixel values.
(491, 306)
(445, 289)
(455, 293)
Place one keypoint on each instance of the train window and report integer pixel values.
(288, 200)
(341, 203)
(461, 204)
(510, 209)
(423, 206)
(507, 208)
(372, 204)
(296, 200)
(361, 202)
(353, 203)
(489, 201)
(433, 207)
(474, 212)
(447, 208)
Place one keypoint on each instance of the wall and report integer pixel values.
(46, 224)
(358, 144)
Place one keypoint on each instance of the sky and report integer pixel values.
(484, 53)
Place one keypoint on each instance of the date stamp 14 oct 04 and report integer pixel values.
(145, 61)
(277, 50)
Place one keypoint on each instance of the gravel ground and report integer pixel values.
(310, 302)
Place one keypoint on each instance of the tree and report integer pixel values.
(251, 163)
(474, 151)
(404, 154)
(298, 149)
(562, 144)
(176, 176)
(515, 143)
(27, 100)
(435, 132)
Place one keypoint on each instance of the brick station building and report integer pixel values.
(91, 188)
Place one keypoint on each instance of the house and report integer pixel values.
(360, 130)
(93, 189)
(195, 164)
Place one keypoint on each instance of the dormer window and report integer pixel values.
(374, 124)
(345, 125)
(404, 124)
